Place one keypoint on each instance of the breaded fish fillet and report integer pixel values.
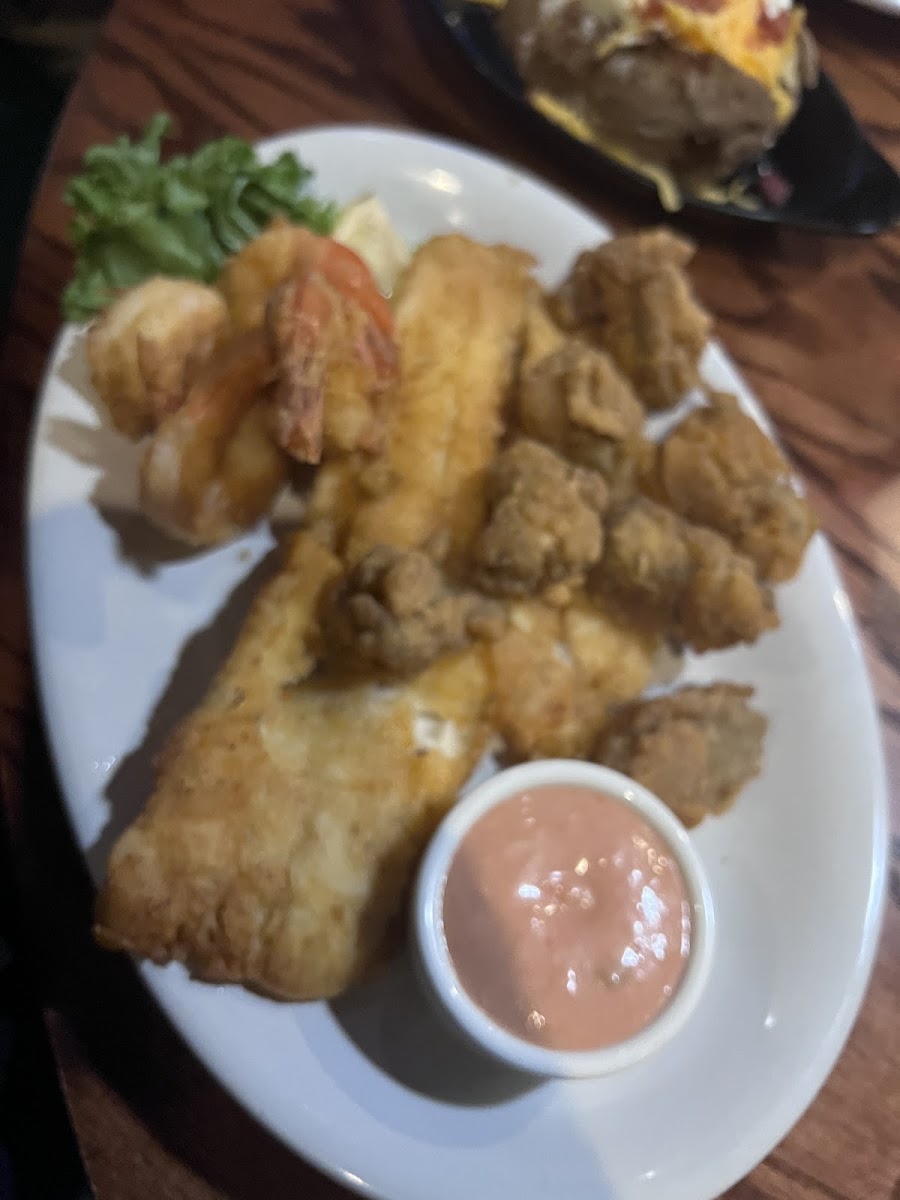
(288, 813)
(556, 673)
(460, 311)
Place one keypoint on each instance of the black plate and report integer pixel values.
(836, 182)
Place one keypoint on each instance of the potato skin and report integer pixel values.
(693, 113)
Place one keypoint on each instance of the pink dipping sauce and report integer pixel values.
(567, 918)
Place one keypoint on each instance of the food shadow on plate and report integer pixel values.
(200, 658)
(394, 1024)
(114, 495)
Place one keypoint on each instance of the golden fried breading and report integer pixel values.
(534, 687)
(332, 501)
(661, 571)
(632, 298)
(249, 277)
(332, 335)
(615, 660)
(695, 748)
(719, 469)
(544, 522)
(541, 337)
(556, 674)
(145, 346)
(288, 814)
(577, 401)
(393, 614)
(459, 311)
(212, 469)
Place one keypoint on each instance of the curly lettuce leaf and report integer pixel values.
(137, 216)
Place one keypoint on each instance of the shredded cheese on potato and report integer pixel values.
(733, 34)
(560, 114)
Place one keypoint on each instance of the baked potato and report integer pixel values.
(696, 87)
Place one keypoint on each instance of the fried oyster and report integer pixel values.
(669, 575)
(544, 524)
(719, 469)
(632, 298)
(577, 401)
(394, 613)
(695, 748)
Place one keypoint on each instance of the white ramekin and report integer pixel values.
(436, 967)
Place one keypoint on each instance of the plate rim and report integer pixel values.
(782, 1116)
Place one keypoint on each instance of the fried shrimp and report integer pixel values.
(249, 277)
(144, 347)
(332, 334)
(213, 468)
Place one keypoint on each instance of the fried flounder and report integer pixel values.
(288, 813)
(459, 312)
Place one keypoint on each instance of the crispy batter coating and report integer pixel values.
(212, 469)
(393, 613)
(288, 814)
(578, 401)
(679, 579)
(695, 748)
(459, 311)
(631, 297)
(332, 335)
(541, 335)
(249, 277)
(555, 674)
(719, 469)
(544, 523)
(145, 347)
(291, 807)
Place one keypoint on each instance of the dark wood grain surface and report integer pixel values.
(814, 325)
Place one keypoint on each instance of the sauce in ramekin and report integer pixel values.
(567, 918)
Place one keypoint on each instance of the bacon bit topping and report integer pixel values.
(774, 23)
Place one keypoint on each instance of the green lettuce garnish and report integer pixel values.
(137, 216)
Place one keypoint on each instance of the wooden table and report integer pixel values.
(814, 325)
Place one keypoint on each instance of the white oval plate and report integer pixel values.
(370, 1088)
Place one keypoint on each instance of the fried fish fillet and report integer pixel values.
(459, 312)
(556, 674)
(288, 813)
